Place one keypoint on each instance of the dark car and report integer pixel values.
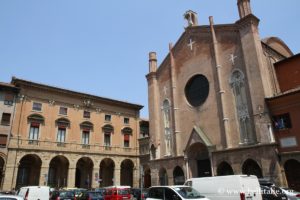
(272, 193)
(62, 195)
(139, 194)
(136, 192)
(91, 195)
(101, 190)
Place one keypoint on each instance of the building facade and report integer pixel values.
(63, 138)
(207, 109)
(8, 95)
(285, 112)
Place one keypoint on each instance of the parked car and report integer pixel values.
(10, 197)
(272, 193)
(77, 191)
(91, 195)
(174, 193)
(136, 192)
(102, 190)
(117, 192)
(233, 187)
(34, 192)
(291, 194)
(139, 193)
(144, 193)
(62, 195)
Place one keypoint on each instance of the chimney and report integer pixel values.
(244, 8)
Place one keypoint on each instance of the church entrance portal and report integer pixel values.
(198, 160)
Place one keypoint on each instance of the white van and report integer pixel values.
(34, 192)
(233, 187)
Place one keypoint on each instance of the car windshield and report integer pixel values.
(188, 192)
(66, 194)
(123, 192)
(95, 194)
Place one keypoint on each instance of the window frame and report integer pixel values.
(107, 118)
(8, 100)
(86, 114)
(126, 120)
(126, 142)
(61, 131)
(34, 135)
(83, 139)
(34, 106)
(6, 118)
(107, 134)
(61, 108)
(282, 121)
(4, 138)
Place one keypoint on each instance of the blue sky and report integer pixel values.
(101, 47)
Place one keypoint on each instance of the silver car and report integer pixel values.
(10, 197)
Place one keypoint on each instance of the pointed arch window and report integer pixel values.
(237, 81)
(167, 130)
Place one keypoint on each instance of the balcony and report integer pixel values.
(69, 147)
(33, 142)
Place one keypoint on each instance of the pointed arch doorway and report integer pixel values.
(199, 161)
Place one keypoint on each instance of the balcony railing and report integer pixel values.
(69, 146)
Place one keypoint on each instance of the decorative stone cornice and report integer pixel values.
(151, 75)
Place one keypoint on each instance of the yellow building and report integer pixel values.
(8, 94)
(63, 138)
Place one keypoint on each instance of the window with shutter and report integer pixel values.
(5, 119)
(3, 141)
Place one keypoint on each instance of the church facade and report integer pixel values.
(207, 107)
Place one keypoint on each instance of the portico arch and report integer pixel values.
(127, 172)
(107, 168)
(58, 172)
(29, 170)
(84, 170)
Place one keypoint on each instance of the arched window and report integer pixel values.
(237, 81)
(166, 115)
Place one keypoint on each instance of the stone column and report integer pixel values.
(154, 176)
(11, 172)
(117, 176)
(71, 177)
(136, 176)
(44, 175)
(95, 177)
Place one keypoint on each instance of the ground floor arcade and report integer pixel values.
(69, 170)
(201, 161)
